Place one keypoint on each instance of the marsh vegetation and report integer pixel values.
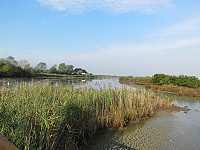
(44, 116)
(182, 85)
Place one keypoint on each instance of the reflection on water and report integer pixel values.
(165, 131)
(13, 82)
(105, 83)
(76, 83)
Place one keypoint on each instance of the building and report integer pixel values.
(80, 71)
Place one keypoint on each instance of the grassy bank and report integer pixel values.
(148, 83)
(50, 117)
(180, 90)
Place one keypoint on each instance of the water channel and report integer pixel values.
(166, 130)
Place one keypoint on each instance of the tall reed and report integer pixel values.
(59, 117)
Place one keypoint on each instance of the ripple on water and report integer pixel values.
(167, 130)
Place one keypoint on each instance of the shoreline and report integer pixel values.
(175, 90)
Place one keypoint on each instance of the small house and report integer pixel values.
(79, 71)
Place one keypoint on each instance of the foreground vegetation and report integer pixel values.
(50, 117)
(183, 85)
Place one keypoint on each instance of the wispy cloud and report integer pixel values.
(188, 26)
(113, 6)
(130, 59)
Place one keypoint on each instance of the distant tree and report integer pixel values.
(41, 67)
(182, 80)
(188, 81)
(9, 70)
(11, 60)
(65, 69)
(3, 61)
(62, 68)
(53, 69)
(24, 64)
(9, 67)
(70, 69)
(159, 79)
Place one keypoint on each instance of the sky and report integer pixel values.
(110, 37)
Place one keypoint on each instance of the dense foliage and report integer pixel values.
(163, 79)
(183, 85)
(9, 67)
(182, 80)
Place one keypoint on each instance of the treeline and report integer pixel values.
(9, 67)
(182, 84)
(182, 80)
(163, 79)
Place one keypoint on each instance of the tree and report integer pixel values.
(53, 69)
(70, 69)
(62, 68)
(7, 70)
(24, 64)
(182, 80)
(65, 69)
(41, 67)
(11, 60)
(159, 79)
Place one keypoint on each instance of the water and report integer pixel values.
(13, 82)
(165, 131)
(76, 83)
(105, 83)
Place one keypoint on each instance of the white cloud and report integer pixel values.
(188, 26)
(113, 6)
(138, 59)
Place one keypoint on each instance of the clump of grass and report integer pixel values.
(50, 117)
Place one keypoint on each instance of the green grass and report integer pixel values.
(50, 117)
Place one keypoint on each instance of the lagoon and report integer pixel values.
(165, 130)
(109, 82)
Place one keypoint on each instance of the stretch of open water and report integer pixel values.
(165, 131)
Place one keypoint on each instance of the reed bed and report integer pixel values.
(59, 117)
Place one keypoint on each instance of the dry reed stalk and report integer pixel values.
(49, 117)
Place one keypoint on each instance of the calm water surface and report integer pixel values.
(165, 131)
(95, 83)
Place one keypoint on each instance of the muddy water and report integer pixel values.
(165, 131)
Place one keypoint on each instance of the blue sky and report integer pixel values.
(114, 37)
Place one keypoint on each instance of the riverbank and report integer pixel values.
(166, 129)
(58, 117)
(54, 75)
(171, 89)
